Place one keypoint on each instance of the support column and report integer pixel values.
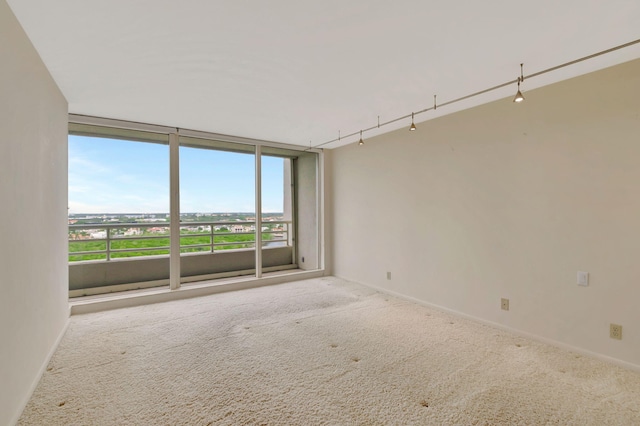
(174, 211)
(258, 235)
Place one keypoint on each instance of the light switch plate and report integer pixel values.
(583, 278)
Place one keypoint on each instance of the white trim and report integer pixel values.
(242, 140)
(41, 371)
(185, 292)
(120, 124)
(551, 342)
(155, 128)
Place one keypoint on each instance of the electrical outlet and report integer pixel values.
(388, 275)
(504, 304)
(615, 331)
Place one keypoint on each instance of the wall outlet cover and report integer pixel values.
(615, 331)
(504, 304)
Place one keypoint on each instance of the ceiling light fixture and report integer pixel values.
(413, 126)
(519, 98)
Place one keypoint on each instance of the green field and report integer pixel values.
(153, 244)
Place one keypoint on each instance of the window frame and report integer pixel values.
(118, 129)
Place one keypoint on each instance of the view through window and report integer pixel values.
(113, 182)
(119, 198)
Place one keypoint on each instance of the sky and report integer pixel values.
(116, 176)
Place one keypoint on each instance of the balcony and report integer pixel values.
(119, 256)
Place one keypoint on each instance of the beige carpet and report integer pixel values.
(317, 352)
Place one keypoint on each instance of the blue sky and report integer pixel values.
(115, 176)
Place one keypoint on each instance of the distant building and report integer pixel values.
(98, 234)
(157, 230)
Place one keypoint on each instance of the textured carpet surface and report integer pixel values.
(317, 352)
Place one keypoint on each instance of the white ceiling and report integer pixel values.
(297, 71)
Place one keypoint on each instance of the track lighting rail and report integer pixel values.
(481, 92)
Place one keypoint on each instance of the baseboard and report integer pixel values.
(551, 342)
(41, 371)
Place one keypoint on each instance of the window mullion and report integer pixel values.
(174, 211)
(258, 236)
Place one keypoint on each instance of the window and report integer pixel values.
(217, 197)
(118, 179)
(120, 217)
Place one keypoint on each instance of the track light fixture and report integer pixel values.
(413, 126)
(519, 98)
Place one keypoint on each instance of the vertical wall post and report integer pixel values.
(258, 237)
(108, 244)
(174, 211)
(320, 230)
(287, 207)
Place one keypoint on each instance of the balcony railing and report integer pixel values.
(120, 240)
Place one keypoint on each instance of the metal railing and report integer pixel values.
(119, 240)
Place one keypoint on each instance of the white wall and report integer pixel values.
(507, 200)
(33, 216)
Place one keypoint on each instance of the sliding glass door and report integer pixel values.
(118, 209)
(217, 209)
(278, 226)
(156, 207)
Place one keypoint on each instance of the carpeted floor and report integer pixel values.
(317, 352)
